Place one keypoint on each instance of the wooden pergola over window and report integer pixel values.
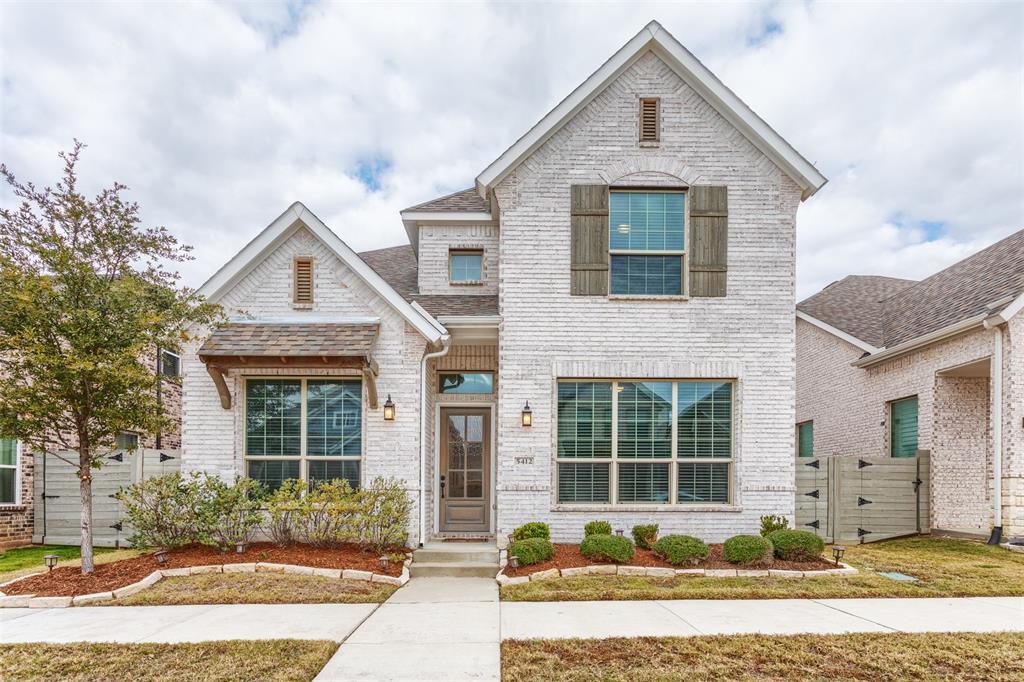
(262, 345)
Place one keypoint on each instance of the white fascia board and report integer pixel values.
(835, 331)
(413, 219)
(433, 321)
(281, 229)
(955, 329)
(1004, 315)
(690, 69)
(470, 320)
(307, 319)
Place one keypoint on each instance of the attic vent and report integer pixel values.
(649, 119)
(303, 279)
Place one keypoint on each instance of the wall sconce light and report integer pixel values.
(527, 415)
(389, 409)
(837, 552)
(50, 560)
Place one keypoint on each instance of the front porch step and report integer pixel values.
(453, 569)
(436, 555)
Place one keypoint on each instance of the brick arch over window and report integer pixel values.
(650, 170)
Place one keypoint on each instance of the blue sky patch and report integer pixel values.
(370, 172)
(769, 29)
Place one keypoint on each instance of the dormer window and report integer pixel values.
(303, 287)
(650, 114)
(465, 266)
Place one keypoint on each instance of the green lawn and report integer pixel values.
(277, 660)
(883, 657)
(943, 567)
(32, 557)
(257, 588)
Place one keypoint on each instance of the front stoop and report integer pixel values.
(455, 560)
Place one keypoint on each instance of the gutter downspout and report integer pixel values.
(446, 343)
(997, 436)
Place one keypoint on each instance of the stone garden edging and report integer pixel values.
(32, 601)
(664, 572)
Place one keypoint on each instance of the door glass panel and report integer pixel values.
(475, 484)
(456, 456)
(456, 484)
(474, 455)
(475, 425)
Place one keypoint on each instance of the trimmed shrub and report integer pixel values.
(326, 516)
(681, 549)
(748, 549)
(282, 511)
(597, 528)
(532, 550)
(645, 535)
(536, 529)
(796, 545)
(162, 511)
(607, 548)
(772, 523)
(228, 513)
(382, 514)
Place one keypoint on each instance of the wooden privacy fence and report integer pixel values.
(863, 499)
(58, 502)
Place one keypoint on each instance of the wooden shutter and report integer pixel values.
(589, 240)
(303, 279)
(649, 119)
(709, 240)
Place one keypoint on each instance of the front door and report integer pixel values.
(465, 482)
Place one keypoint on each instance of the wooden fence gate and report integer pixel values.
(58, 502)
(863, 499)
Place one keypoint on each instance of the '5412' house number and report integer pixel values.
(524, 459)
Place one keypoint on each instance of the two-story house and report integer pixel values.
(600, 328)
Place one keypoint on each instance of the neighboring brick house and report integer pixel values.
(600, 328)
(17, 466)
(886, 366)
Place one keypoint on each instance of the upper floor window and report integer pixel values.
(647, 239)
(903, 427)
(465, 266)
(649, 115)
(170, 363)
(303, 286)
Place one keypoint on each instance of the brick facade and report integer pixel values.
(435, 243)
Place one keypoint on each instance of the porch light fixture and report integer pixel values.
(389, 409)
(50, 560)
(513, 561)
(837, 552)
(527, 414)
(161, 556)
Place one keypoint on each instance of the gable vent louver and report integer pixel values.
(303, 280)
(649, 119)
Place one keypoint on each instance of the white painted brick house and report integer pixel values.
(601, 328)
(888, 366)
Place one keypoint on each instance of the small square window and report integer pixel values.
(465, 267)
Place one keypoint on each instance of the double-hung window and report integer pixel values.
(9, 493)
(647, 243)
(644, 442)
(308, 429)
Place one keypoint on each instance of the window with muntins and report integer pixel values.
(170, 364)
(644, 442)
(805, 439)
(465, 266)
(647, 240)
(903, 425)
(8, 471)
(308, 429)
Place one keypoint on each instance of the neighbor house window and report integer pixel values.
(647, 243)
(805, 439)
(127, 441)
(644, 442)
(465, 266)
(903, 427)
(308, 429)
(170, 364)
(9, 492)
(466, 382)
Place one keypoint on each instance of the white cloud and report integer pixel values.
(220, 115)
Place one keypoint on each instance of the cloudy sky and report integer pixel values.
(218, 116)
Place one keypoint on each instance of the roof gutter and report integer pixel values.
(938, 335)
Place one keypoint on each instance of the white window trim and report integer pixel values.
(684, 254)
(302, 457)
(466, 251)
(17, 477)
(613, 472)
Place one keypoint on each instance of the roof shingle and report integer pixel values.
(291, 340)
(855, 305)
(463, 201)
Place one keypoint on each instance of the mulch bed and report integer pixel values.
(568, 556)
(68, 581)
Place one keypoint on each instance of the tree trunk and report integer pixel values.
(85, 489)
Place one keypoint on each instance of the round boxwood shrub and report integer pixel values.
(535, 529)
(607, 548)
(645, 535)
(748, 549)
(532, 550)
(597, 528)
(796, 545)
(681, 549)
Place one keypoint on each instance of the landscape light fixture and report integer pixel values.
(162, 556)
(50, 560)
(513, 561)
(240, 547)
(384, 563)
(837, 552)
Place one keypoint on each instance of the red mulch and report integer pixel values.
(68, 581)
(568, 556)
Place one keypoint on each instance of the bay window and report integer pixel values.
(308, 429)
(644, 442)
